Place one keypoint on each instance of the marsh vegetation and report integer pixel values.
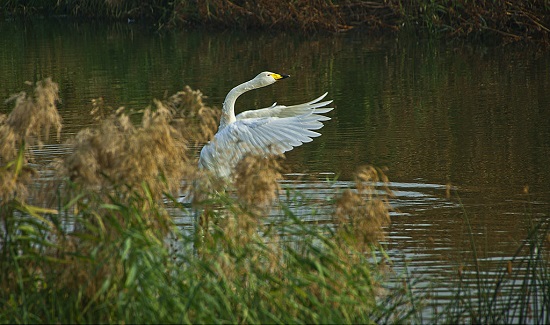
(97, 242)
(508, 21)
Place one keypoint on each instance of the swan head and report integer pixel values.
(267, 78)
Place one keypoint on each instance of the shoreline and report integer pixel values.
(526, 21)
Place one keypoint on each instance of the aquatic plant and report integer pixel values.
(517, 293)
(107, 249)
(28, 123)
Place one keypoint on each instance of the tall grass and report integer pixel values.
(98, 243)
(101, 246)
(517, 293)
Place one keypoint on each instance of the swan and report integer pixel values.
(267, 131)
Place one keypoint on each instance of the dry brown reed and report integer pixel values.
(27, 124)
(256, 186)
(303, 14)
(196, 121)
(132, 163)
(119, 153)
(119, 172)
(33, 116)
(256, 180)
(363, 213)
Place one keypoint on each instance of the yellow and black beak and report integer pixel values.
(277, 76)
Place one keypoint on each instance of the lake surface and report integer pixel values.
(433, 113)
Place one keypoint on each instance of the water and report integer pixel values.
(433, 113)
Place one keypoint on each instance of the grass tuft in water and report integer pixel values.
(28, 123)
(364, 211)
(517, 293)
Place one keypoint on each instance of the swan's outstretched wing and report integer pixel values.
(262, 135)
(288, 111)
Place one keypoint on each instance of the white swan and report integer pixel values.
(268, 131)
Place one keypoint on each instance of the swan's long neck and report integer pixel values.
(228, 108)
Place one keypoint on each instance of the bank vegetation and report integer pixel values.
(504, 21)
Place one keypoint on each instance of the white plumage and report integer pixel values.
(268, 131)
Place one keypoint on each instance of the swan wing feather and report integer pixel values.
(268, 135)
(274, 110)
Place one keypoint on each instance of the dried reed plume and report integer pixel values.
(130, 166)
(363, 213)
(30, 120)
(256, 185)
(256, 180)
(118, 153)
(193, 119)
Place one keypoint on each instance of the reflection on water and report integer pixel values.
(474, 117)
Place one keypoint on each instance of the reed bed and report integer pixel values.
(508, 21)
(98, 242)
